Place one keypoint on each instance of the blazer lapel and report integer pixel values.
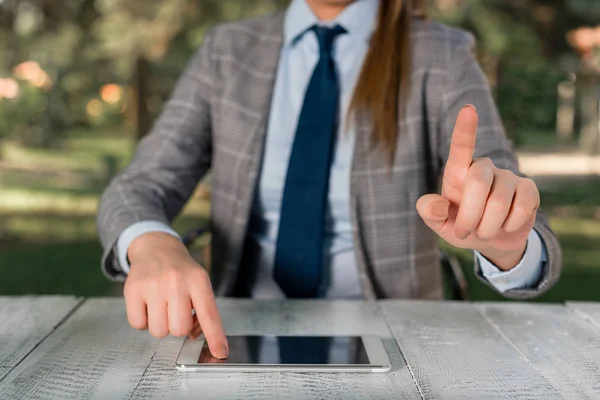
(254, 89)
(251, 91)
(264, 60)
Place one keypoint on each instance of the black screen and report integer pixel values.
(290, 350)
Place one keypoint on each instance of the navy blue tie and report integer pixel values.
(299, 254)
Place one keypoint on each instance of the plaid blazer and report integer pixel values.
(216, 119)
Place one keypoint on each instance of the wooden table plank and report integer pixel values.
(26, 321)
(589, 311)
(92, 355)
(248, 317)
(3, 372)
(563, 347)
(95, 355)
(454, 353)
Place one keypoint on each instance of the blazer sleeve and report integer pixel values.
(464, 84)
(168, 162)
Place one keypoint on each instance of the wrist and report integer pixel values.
(151, 243)
(505, 260)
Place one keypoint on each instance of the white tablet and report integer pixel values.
(288, 353)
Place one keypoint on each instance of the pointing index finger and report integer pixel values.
(205, 305)
(463, 141)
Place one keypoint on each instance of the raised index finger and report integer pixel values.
(463, 141)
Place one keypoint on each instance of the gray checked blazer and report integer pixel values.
(216, 120)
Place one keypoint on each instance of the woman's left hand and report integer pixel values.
(482, 207)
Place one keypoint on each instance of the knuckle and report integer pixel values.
(486, 162)
(152, 288)
(487, 232)
(137, 324)
(180, 330)
(479, 183)
(173, 279)
(159, 332)
(485, 235)
(528, 183)
(484, 166)
(482, 174)
(496, 205)
(531, 187)
(200, 275)
(508, 176)
(521, 211)
(131, 288)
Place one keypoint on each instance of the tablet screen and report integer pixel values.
(290, 350)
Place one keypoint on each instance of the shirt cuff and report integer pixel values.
(133, 232)
(526, 274)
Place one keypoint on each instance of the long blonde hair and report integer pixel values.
(383, 86)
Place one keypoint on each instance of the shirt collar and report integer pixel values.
(358, 19)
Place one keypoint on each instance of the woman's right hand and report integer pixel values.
(164, 285)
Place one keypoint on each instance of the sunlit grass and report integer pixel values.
(579, 240)
(48, 235)
(21, 201)
(538, 140)
(48, 202)
(588, 228)
(73, 267)
(33, 201)
(75, 219)
(82, 153)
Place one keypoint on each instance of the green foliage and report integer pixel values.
(527, 96)
(516, 57)
(84, 44)
(47, 205)
(527, 85)
(25, 118)
(53, 268)
(578, 234)
(585, 8)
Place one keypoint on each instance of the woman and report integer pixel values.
(326, 129)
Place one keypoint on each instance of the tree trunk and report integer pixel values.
(590, 114)
(565, 116)
(142, 76)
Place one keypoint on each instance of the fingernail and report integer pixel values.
(440, 209)
(223, 352)
(472, 106)
(461, 233)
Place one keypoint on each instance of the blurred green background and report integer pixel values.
(82, 80)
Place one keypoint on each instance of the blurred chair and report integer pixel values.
(198, 243)
(455, 283)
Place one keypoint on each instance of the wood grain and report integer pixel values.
(4, 371)
(454, 353)
(589, 311)
(310, 317)
(454, 350)
(563, 347)
(92, 355)
(96, 355)
(26, 321)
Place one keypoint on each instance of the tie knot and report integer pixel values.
(326, 36)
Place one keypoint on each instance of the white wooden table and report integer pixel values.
(71, 348)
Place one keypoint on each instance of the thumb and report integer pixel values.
(434, 210)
